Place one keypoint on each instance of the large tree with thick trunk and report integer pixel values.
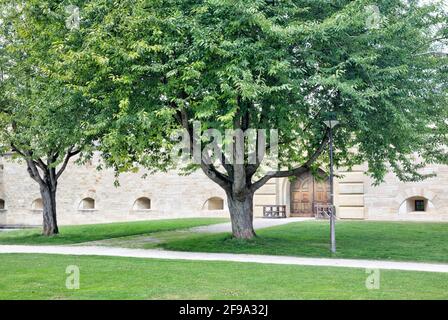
(44, 119)
(286, 65)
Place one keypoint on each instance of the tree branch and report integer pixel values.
(216, 176)
(68, 155)
(34, 172)
(209, 170)
(296, 171)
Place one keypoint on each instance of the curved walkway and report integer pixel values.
(259, 223)
(178, 255)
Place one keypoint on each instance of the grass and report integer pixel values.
(404, 241)
(401, 241)
(95, 232)
(31, 276)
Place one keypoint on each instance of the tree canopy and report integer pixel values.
(44, 119)
(285, 65)
(234, 64)
(155, 66)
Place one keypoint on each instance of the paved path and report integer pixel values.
(259, 223)
(177, 255)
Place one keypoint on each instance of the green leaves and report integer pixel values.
(43, 112)
(136, 65)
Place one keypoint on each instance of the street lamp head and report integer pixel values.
(331, 123)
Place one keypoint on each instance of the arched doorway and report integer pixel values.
(306, 192)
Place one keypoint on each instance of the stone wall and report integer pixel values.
(383, 202)
(171, 195)
(2, 194)
(174, 196)
(357, 198)
(350, 193)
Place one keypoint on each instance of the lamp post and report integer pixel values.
(331, 124)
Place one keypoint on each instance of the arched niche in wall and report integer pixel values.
(87, 204)
(142, 203)
(415, 204)
(37, 204)
(214, 203)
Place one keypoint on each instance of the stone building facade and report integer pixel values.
(86, 195)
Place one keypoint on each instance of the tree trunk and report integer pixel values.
(241, 215)
(50, 225)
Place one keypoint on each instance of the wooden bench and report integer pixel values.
(274, 211)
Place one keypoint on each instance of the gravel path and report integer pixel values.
(177, 255)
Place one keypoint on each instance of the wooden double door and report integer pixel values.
(306, 192)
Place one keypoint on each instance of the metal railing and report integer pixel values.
(322, 210)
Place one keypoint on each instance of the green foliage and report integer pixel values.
(42, 115)
(281, 64)
(135, 66)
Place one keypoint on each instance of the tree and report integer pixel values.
(44, 118)
(287, 65)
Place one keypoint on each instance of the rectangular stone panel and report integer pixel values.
(351, 188)
(351, 212)
(352, 177)
(352, 200)
(355, 168)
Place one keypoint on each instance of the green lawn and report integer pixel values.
(355, 239)
(408, 241)
(30, 276)
(95, 232)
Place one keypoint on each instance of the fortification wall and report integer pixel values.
(86, 195)
(169, 195)
(395, 200)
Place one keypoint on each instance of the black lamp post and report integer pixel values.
(331, 124)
